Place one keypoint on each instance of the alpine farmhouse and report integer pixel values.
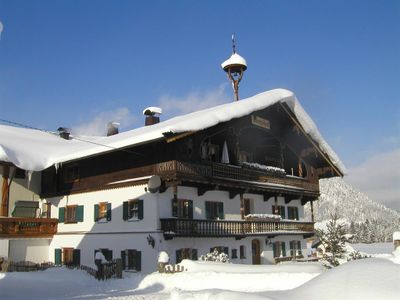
(233, 177)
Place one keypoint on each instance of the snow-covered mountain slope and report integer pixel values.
(340, 198)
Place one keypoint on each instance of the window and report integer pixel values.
(70, 214)
(279, 210)
(214, 210)
(279, 249)
(133, 210)
(71, 173)
(295, 248)
(46, 210)
(220, 249)
(131, 259)
(102, 211)
(182, 209)
(293, 213)
(186, 253)
(242, 252)
(234, 254)
(213, 153)
(67, 256)
(247, 203)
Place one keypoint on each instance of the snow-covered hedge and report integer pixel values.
(215, 256)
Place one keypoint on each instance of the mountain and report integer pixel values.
(369, 221)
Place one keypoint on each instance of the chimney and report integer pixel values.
(112, 128)
(64, 132)
(152, 115)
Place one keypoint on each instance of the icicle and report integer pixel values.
(56, 165)
(225, 154)
(29, 177)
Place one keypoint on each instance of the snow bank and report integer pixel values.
(396, 256)
(234, 277)
(37, 150)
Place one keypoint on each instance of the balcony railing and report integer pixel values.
(174, 227)
(223, 171)
(27, 227)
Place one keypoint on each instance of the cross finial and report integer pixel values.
(233, 43)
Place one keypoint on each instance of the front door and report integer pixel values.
(255, 250)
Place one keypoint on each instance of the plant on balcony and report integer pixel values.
(269, 169)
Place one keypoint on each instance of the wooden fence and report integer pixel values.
(24, 266)
(107, 270)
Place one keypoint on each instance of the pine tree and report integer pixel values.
(333, 239)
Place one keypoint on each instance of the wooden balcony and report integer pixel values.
(174, 227)
(27, 227)
(235, 175)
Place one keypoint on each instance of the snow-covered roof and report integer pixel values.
(36, 150)
(234, 60)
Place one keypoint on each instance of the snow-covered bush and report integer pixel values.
(357, 255)
(215, 256)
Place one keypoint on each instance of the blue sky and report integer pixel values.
(79, 63)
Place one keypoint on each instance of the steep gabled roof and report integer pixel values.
(36, 150)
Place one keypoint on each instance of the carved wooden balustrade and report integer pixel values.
(27, 227)
(224, 171)
(173, 227)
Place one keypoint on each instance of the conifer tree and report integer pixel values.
(333, 239)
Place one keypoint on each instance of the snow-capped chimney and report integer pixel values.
(112, 128)
(64, 132)
(152, 115)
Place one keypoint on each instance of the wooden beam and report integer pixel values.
(175, 137)
(234, 192)
(5, 192)
(289, 198)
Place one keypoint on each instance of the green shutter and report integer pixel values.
(79, 213)
(283, 248)
(123, 259)
(125, 210)
(274, 249)
(76, 257)
(61, 214)
(57, 257)
(108, 211)
(296, 213)
(194, 254)
(96, 212)
(174, 203)
(220, 207)
(178, 256)
(140, 209)
(225, 250)
(190, 207)
(138, 260)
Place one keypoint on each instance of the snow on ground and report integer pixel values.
(372, 278)
(376, 249)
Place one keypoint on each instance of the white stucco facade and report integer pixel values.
(118, 234)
